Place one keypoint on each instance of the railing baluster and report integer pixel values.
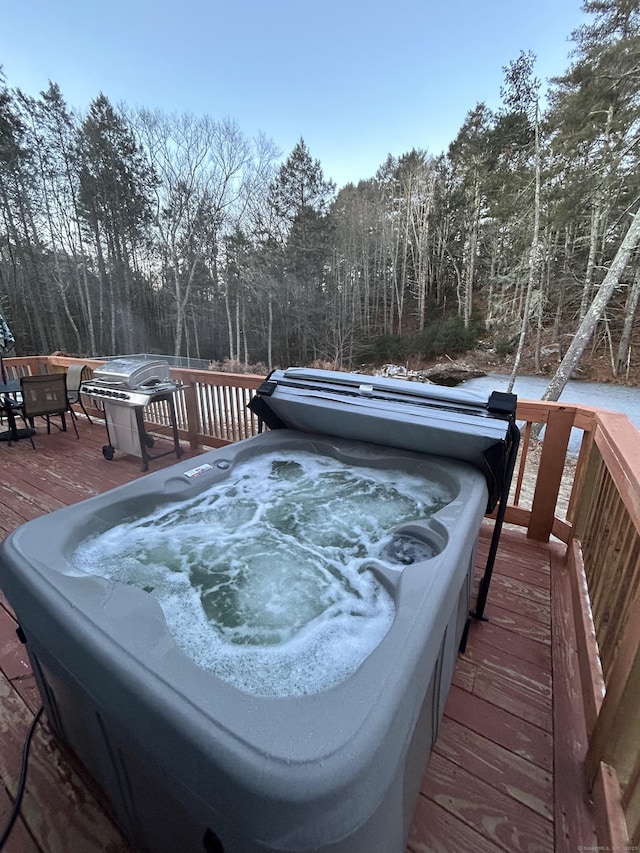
(524, 451)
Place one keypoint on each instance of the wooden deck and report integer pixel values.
(504, 774)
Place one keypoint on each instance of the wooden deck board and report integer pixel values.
(489, 784)
(500, 726)
(503, 769)
(520, 567)
(518, 644)
(436, 830)
(519, 625)
(20, 840)
(499, 817)
(518, 605)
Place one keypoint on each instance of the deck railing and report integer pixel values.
(587, 498)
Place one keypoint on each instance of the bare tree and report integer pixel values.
(595, 311)
(205, 168)
(521, 93)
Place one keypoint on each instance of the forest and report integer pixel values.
(128, 230)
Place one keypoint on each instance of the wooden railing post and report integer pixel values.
(191, 404)
(554, 453)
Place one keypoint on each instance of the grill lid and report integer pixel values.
(132, 373)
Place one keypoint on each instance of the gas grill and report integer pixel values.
(123, 388)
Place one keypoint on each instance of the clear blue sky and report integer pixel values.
(357, 80)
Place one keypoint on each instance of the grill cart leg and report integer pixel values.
(147, 441)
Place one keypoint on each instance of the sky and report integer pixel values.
(356, 79)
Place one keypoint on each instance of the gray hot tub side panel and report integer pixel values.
(287, 762)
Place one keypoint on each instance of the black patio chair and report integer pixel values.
(46, 396)
(74, 379)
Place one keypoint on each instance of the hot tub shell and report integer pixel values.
(190, 762)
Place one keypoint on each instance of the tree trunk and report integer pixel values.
(238, 327)
(598, 227)
(227, 308)
(270, 333)
(629, 314)
(596, 216)
(534, 262)
(595, 311)
(473, 248)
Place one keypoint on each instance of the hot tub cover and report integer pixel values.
(431, 419)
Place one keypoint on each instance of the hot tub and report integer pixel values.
(193, 761)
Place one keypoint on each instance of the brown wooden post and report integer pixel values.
(191, 403)
(554, 452)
